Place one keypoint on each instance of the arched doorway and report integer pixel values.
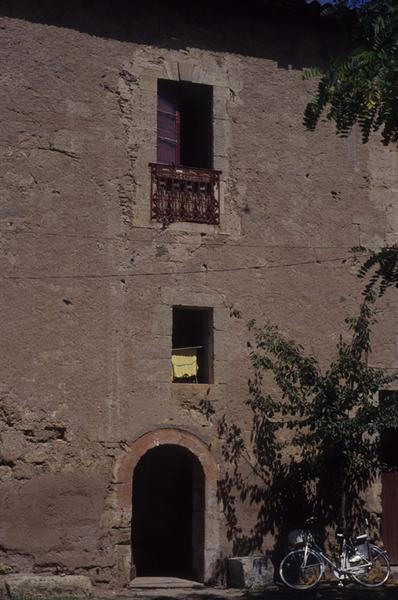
(168, 514)
(120, 501)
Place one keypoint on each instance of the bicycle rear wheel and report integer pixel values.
(377, 572)
(301, 569)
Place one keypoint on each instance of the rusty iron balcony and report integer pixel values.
(181, 193)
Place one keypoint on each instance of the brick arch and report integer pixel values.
(123, 490)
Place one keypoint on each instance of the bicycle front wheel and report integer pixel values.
(377, 572)
(301, 569)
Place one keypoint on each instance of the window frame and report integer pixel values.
(205, 357)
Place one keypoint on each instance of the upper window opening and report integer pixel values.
(192, 353)
(185, 129)
(184, 185)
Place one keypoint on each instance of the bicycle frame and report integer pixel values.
(358, 560)
(341, 569)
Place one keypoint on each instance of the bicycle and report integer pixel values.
(359, 560)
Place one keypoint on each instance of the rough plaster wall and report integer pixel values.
(88, 282)
(53, 484)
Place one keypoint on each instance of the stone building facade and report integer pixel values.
(93, 289)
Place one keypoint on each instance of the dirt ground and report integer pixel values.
(323, 592)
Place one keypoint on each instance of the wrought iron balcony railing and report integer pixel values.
(184, 194)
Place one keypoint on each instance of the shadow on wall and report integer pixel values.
(252, 29)
(279, 492)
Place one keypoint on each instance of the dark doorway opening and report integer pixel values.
(389, 481)
(168, 514)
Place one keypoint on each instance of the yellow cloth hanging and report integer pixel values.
(184, 363)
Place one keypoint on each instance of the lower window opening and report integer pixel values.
(192, 346)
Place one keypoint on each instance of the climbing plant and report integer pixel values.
(313, 443)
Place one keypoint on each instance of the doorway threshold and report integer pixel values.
(164, 583)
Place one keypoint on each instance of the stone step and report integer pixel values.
(47, 586)
(164, 583)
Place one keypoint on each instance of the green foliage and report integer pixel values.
(313, 446)
(362, 86)
(382, 267)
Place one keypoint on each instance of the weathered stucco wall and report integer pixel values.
(88, 282)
